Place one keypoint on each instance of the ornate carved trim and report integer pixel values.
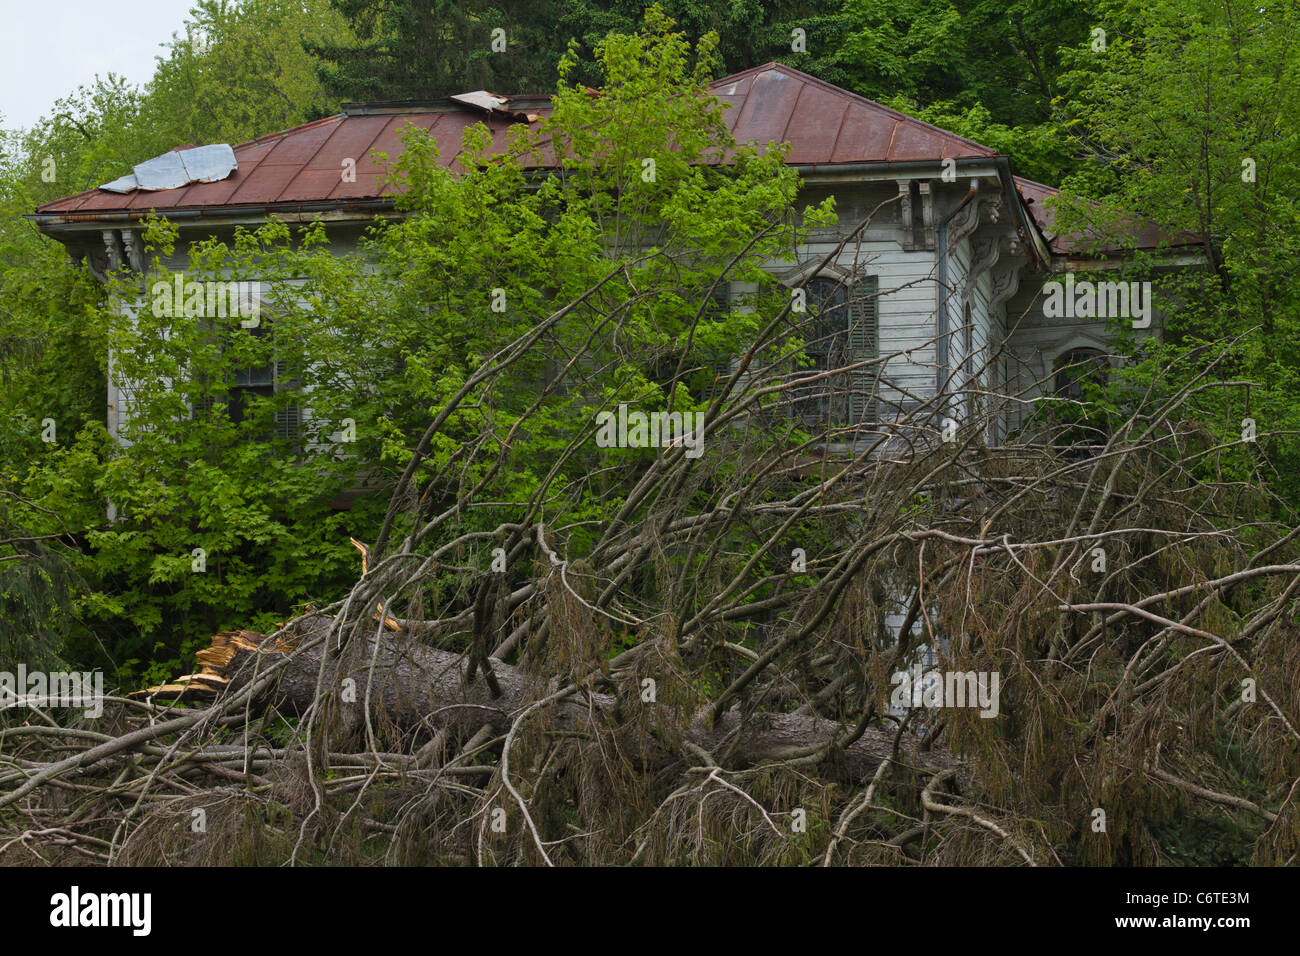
(905, 213)
(983, 257)
(963, 223)
(113, 249)
(134, 250)
(1006, 283)
(927, 212)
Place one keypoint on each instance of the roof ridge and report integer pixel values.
(266, 137)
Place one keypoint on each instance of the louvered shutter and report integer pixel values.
(288, 420)
(864, 333)
(288, 424)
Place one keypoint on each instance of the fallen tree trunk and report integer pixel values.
(399, 682)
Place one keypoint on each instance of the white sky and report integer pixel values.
(50, 47)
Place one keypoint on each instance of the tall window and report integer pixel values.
(1077, 371)
(247, 382)
(261, 381)
(839, 329)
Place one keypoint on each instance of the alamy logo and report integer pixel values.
(52, 689)
(636, 429)
(191, 299)
(75, 908)
(934, 689)
(1101, 300)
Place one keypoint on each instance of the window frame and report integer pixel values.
(852, 401)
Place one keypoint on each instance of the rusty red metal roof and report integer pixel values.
(825, 125)
(301, 165)
(1140, 233)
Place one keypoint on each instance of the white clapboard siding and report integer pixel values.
(905, 309)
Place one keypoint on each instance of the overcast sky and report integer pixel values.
(50, 47)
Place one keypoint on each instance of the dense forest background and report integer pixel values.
(1186, 112)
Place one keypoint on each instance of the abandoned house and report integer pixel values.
(948, 279)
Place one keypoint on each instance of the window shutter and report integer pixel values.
(864, 332)
(288, 420)
(718, 366)
(288, 424)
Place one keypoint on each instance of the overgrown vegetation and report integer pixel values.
(533, 581)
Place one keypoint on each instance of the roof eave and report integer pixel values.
(877, 170)
(360, 210)
(1027, 227)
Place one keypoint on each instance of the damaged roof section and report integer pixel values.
(493, 103)
(180, 167)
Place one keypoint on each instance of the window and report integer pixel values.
(1078, 368)
(261, 381)
(839, 329)
(1080, 426)
(250, 381)
(918, 214)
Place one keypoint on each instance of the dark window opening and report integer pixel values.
(1082, 425)
(1077, 369)
(839, 329)
(248, 384)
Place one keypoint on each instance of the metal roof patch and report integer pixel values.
(202, 164)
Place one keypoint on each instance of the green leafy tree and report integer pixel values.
(222, 517)
(1190, 116)
(241, 71)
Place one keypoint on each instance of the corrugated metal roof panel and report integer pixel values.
(366, 186)
(179, 167)
(482, 99)
(768, 108)
(353, 140)
(389, 143)
(449, 133)
(205, 195)
(308, 185)
(815, 126)
(861, 134)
